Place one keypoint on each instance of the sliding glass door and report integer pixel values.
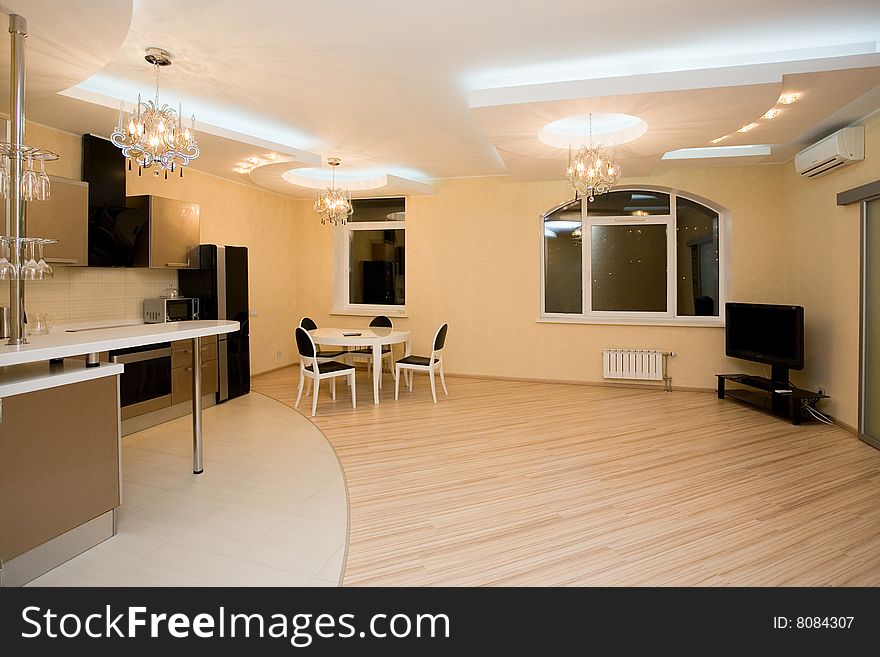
(869, 420)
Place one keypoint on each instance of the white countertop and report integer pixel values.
(30, 377)
(61, 343)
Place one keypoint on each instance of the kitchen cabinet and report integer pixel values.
(64, 217)
(182, 373)
(174, 231)
(59, 471)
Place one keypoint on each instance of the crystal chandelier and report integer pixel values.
(154, 133)
(593, 170)
(333, 204)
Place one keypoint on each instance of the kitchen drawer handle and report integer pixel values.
(189, 351)
(140, 356)
(189, 369)
(67, 261)
(177, 264)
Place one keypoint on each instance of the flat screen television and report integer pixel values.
(766, 333)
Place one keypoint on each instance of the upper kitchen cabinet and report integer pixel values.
(173, 228)
(64, 217)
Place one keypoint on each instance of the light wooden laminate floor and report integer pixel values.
(269, 510)
(509, 483)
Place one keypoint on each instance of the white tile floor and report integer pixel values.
(270, 509)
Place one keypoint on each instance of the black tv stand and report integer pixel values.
(774, 394)
(779, 377)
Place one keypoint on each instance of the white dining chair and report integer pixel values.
(323, 355)
(312, 370)
(424, 364)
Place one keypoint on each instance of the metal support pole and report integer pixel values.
(198, 466)
(17, 210)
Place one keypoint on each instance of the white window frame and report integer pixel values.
(342, 271)
(669, 317)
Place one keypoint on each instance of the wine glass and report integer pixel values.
(29, 269)
(4, 176)
(44, 190)
(7, 269)
(30, 183)
(43, 268)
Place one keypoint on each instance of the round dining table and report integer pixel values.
(374, 337)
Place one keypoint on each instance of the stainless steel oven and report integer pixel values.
(145, 385)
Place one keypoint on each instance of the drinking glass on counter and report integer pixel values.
(39, 323)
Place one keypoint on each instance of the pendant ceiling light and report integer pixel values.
(593, 170)
(333, 204)
(155, 134)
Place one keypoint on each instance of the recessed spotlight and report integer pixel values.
(241, 170)
(715, 141)
(772, 114)
(272, 156)
(788, 99)
(748, 127)
(254, 160)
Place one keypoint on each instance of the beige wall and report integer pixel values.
(823, 272)
(473, 258)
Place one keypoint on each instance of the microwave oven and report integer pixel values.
(170, 309)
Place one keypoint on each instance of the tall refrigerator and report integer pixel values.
(221, 286)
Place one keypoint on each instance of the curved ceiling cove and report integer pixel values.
(300, 179)
(607, 129)
(63, 49)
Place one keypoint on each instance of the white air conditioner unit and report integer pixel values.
(836, 150)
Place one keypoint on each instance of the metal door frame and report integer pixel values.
(874, 441)
(862, 195)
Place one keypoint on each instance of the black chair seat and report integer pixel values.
(416, 360)
(331, 354)
(369, 350)
(331, 366)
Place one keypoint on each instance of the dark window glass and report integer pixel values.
(377, 262)
(633, 203)
(629, 268)
(696, 240)
(563, 260)
(378, 209)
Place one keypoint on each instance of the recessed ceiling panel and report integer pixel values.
(67, 42)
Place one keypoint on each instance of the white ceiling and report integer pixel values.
(419, 91)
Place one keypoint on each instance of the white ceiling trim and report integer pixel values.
(708, 78)
(281, 176)
(80, 93)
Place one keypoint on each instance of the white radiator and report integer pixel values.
(636, 365)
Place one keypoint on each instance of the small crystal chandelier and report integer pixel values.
(155, 133)
(333, 204)
(593, 170)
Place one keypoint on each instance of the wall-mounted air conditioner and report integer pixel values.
(836, 150)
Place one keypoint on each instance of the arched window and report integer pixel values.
(635, 256)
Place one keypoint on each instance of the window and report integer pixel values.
(369, 252)
(642, 256)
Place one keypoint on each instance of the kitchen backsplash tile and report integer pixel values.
(79, 294)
